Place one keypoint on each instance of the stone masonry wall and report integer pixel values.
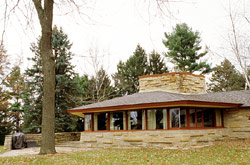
(184, 83)
(8, 142)
(59, 137)
(164, 139)
(238, 122)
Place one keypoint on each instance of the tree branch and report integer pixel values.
(39, 9)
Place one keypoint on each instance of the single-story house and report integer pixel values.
(170, 110)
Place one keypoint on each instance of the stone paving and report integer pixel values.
(60, 148)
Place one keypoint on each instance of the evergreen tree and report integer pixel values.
(156, 64)
(100, 87)
(32, 96)
(15, 86)
(127, 76)
(95, 89)
(65, 86)
(184, 50)
(226, 78)
(5, 116)
(83, 90)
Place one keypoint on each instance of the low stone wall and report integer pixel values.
(152, 139)
(59, 137)
(8, 142)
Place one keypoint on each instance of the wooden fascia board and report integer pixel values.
(186, 103)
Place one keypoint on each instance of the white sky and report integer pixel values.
(117, 26)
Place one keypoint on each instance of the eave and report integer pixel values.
(185, 103)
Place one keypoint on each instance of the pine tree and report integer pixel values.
(33, 94)
(127, 76)
(65, 86)
(5, 117)
(94, 89)
(156, 64)
(100, 86)
(184, 50)
(15, 86)
(226, 78)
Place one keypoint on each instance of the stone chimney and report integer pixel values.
(177, 82)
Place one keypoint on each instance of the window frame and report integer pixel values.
(145, 121)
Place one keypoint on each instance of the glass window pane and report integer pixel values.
(88, 122)
(165, 125)
(135, 120)
(183, 118)
(175, 118)
(159, 118)
(151, 119)
(102, 121)
(155, 119)
(199, 117)
(117, 121)
(192, 117)
(218, 118)
(209, 118)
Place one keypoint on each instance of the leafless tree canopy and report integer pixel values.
(239, 38)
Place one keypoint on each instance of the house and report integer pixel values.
(170, 110)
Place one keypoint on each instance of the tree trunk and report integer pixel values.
(45, 15)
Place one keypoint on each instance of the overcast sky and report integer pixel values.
(115, 27)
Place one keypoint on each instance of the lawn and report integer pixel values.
(237, 152)
(1, 149)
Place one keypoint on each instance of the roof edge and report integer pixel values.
(186, 103)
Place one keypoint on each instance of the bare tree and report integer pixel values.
(101, 90)
(235, 42)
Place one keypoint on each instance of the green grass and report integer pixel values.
(221, 153)
(1, 150)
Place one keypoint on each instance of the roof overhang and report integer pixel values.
(186, 103)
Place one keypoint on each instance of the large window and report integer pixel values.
(87, 122)
(218, 114)
(199, 118)
(102, 121)
(204, 118)
(156, 119)
(208, 118)
(117, 120)
(183, 118)
(178, 118)
(192, 118)
(135, 120)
